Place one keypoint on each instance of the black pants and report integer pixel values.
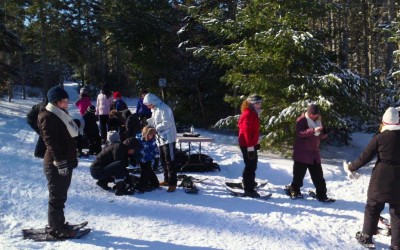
(58, 188)
(103, 126)
(94, 142)
(317, 177)
(372, 212)
(79, 143)
(167, 158)
(147, 175)
(249, 171)
(115, 169)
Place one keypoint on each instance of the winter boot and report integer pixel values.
(294, 194)
(63, 232)
(325, 199)
(171, 189)
(122, 189)
(251, 193)
(103, 184)
(164, 183)
(365, 240)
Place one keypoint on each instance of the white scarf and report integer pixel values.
(67, 120)
(313, 124)
(390, 127)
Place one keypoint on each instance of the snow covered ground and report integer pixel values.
(211, 219)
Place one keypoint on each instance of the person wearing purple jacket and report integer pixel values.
(306, 154)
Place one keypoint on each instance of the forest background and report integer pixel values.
(342, 54)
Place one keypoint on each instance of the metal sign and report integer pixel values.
(162, 82)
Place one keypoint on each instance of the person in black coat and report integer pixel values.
(132, 125)
(111, 163)
(384, 186)
(58, 131)
(91, 130)
(31, 119)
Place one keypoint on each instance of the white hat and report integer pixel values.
(391, 116)
(113, 136)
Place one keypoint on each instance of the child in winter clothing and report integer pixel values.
(91, 130)
(142, 110)
(79, 138)
(118, 103)
(115, 121)
(148, 152)
(32, 119)
(83, 102)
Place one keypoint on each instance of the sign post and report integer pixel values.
(162, 82)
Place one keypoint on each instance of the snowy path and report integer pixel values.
(212, 219)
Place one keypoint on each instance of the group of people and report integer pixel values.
(58, 146)
(384, 185)
(157, 139)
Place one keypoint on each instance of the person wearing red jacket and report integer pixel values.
(249, 132)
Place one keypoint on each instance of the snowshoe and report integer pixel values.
(240, 184)
(321, 199)
(121, 188)
(292, 193)
(69, 231)
(365, 240)
(252, 194)
(241, 193)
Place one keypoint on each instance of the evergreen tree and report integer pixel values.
(268, 49)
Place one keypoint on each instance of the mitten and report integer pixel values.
(350, 174)
(257, 147)
(62, 167)
(251, 153)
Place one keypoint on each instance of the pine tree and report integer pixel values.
(268, 49)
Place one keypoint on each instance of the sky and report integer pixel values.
(210, 219)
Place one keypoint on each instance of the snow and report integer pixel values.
(211, 219)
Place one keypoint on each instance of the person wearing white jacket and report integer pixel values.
(164, 123)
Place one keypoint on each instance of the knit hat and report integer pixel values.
(56, 93)
(113, 136)
(91, 109)
(83, 90)
(253, 99)
(148, 130)
(313, 109)
(117, 95)
(391, 116)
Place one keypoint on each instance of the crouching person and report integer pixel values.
(111, 163)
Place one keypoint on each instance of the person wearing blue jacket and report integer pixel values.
(148, 153)
(142, 110)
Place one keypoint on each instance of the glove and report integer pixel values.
(350, 174)
(62, 167)
(251, 153)
(257, 147)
